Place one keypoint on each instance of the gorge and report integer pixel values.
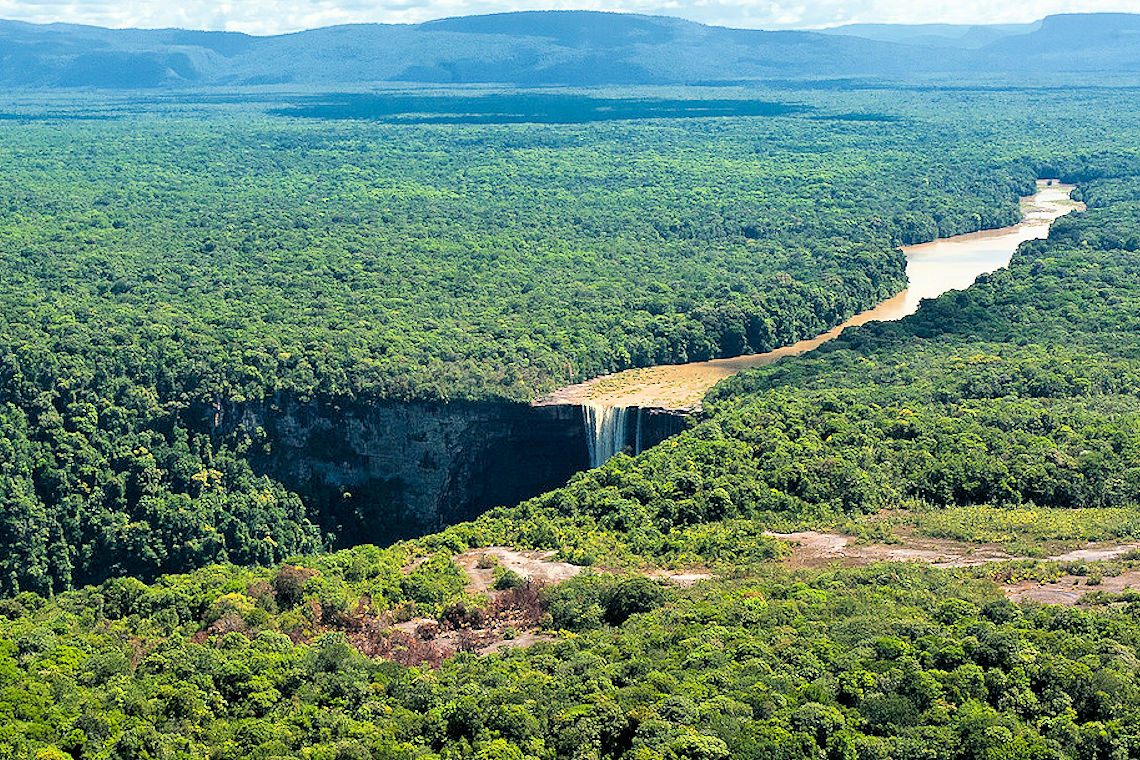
(377, 472)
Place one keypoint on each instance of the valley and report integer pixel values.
(834, 336)
(933, 268)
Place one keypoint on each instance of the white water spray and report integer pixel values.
(606, 428)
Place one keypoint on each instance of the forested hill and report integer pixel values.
(965, 36)
(547, 48)
(583, 48)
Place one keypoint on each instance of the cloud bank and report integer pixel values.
(280, 16)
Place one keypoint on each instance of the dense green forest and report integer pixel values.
(164, 261)
(886, 662)
(1013, 403)
(243, 256)
(1020, 390)
(1017, 393)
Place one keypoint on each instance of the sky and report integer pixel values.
(278, 16)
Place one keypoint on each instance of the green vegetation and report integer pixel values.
(884, 662)
(279, 259)
(1014, 398)
(179, 265)
(1028, 525)
(243, 257)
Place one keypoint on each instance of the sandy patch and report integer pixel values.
(683, 578)
(1069, 589)
(525, 639)
(813, 549)
(1096, 552)
(535, 566)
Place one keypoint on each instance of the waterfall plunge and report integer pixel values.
(606, 428)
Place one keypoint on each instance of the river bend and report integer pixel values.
(932, 269)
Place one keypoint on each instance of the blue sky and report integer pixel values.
(276, 16)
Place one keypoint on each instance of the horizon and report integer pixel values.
(258, 19)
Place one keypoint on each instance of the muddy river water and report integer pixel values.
(932, 269)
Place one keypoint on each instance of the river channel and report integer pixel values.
(932, 269)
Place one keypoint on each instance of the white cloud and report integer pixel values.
(275, 16)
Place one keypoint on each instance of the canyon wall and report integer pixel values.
(384, 471)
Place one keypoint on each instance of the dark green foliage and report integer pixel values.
(629, 597)
(590, 600)
(830, 664)
(578, 603)
(133, 320)
(1024, 389)
(433, 581)
(179, 268)
(289, 585)
(506, 579)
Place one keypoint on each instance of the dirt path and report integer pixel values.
(932, 269)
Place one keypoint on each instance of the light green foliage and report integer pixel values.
(401, 262)
(1012, 525)
(200, 255)
(1019, 393)
(810, 663)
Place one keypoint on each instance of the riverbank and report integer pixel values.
(933, 268)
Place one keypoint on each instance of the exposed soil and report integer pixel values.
(1070, 588)
(481, 640)
(537, 567)
(932, 269)
(525, 639)
(685, 580)
(511, 618)
(1094, 553)
(813, 549)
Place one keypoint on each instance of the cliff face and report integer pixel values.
(380, 472)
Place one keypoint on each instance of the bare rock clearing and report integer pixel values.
(813, 549)
(1069, 589)
(535, 566)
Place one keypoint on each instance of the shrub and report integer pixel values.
(289, 585)
(630, 597)
(507, 579)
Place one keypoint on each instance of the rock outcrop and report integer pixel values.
(384, 471)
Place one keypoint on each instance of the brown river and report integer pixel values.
(932, 269)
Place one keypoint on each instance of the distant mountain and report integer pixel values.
(584, 48)
(934, 35)
(549, 48)
(1101, 42)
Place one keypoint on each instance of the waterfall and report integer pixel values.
(637, 436)
(606, 428)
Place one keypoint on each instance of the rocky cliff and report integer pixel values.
(384, 471)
